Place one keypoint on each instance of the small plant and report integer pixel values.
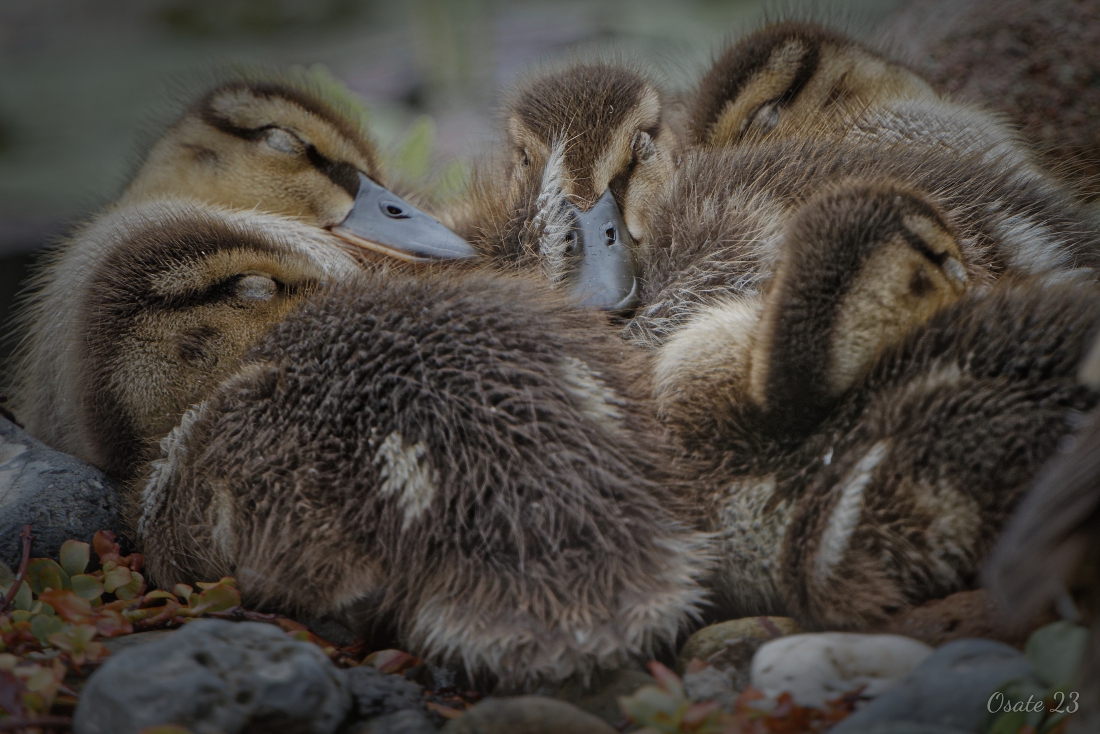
(55, 615)
(1043, 706)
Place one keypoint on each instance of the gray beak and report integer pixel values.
(382, 221)
(605, 277)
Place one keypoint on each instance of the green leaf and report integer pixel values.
(42, 627)
(1055, 651)
(45, 573)
(115, 578)
(133, 588)
(6, 576)
(217, 599)
(75, 556)
(87, 587)
(23, 598)
(1010, 723)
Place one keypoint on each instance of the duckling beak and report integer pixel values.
(606, 276)
(382, 221)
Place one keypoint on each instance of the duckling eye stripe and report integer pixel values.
(340, 173)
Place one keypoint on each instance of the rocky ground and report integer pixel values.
(86, 646)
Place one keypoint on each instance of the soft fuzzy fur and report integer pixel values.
(720, 229)
(471, 450)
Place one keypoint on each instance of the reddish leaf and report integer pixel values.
(105, 546)
(668, 681)
(111, 623)
(68, 605)
(392, 661)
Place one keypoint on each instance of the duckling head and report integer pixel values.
(157, 302)
(793, 78)
(589, 152)
(864, 264)
(280, 147)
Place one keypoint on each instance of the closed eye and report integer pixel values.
(283, 141)
(763, 119)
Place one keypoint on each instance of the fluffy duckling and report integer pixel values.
(464, 453)
(798, 92)
(590, 150)
(253, 146)
(146, 309)
(869, 420)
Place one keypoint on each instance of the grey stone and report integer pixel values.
(59, 496)
(949, 689)
(729, 646)
(402, 722)
(602, 698)
(526, 715)
(216, 677)
(376, 693)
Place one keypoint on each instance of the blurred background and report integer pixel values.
(86, 84)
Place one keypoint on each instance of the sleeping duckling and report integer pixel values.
(282, 147)
(795, 79)
(146, 309)
(870, 420)
(463, 452)
(254, 146)
(795, 107)
(590, 151)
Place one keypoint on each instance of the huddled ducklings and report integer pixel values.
(589, 151)
(871, 423)
(718, 226)
(463, 454)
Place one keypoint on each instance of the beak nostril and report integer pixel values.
(393, 210)
(610, 234)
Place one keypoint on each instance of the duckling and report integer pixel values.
(253, 146)
(466, 453)
(590, 150)
(100, 377)
(870, 420)
(795, 78)
(282, 147)
(718, 224)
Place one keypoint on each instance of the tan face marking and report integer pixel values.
(847, 80)
(247, 150)
(898, 289)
